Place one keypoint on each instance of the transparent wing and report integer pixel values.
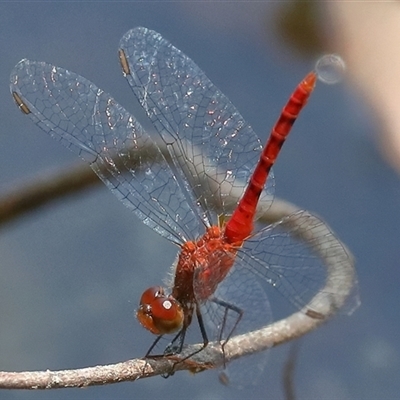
(93, 125)
(302, 259)
(212, 146)
(299, 257)
(239, 291)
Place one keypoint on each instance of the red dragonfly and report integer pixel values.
(187, 194)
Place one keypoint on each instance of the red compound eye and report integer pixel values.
(158, 313)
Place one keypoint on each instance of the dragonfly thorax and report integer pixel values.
(201, 266)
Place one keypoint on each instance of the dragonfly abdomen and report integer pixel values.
(240, 226)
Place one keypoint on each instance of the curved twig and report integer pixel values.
(29, 196)
(340, 283)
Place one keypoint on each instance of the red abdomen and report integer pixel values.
(240, 225)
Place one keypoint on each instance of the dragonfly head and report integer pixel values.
(159, 313)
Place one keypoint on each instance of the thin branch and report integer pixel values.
(27, 197)
(340, 283)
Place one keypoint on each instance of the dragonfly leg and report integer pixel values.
(181, 337)
(176, 345)
(227, 306)
(154, 344)
(202, 328)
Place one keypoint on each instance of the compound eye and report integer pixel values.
(150, 294)
(158, 313)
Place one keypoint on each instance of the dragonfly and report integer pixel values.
(201, 184)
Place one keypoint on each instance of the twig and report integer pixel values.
(27, 197)
(339, 284)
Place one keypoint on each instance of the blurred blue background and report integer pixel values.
(71, 274)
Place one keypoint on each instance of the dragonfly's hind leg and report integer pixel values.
(227, 306)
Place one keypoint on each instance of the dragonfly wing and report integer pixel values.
(238, 305)
(93, 125)
(302, 259)
(211, 145)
